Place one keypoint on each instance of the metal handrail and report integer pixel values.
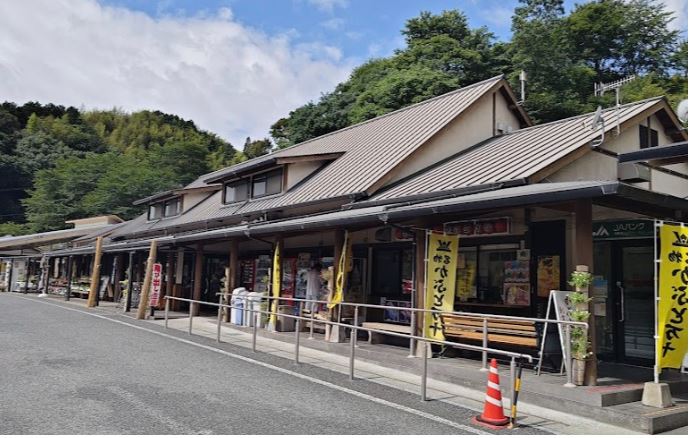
(257, 313)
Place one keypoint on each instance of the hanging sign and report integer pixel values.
(442, 258)
(156, 280)
(673, 323)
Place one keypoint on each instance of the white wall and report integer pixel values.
(296, 172)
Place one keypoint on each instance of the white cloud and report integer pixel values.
(328, 5)
(333, 24)
(681, 11)
(227, 77)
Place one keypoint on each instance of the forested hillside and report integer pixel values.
(563, 54)
(60, 163)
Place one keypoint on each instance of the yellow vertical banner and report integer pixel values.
(442, 258)
(343, 268)
(673, 323)
(275, 282)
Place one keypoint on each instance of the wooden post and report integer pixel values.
(232, 274)
(170, 269)
(119, 272)
(198, 267)
(144, 294)
(95, 273)
(583, 256)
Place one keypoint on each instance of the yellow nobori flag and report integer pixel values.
(275, 282)
(673, 323)
(442, 258)
(343, 267)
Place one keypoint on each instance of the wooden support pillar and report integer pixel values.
(95, 273)
(197, 287)
(119, 272)
(144, 294)
(583, 259)
(231, 274)
(170, 269)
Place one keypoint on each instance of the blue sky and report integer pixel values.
(234, 67)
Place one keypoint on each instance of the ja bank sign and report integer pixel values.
(622, 229)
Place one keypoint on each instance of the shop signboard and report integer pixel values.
(622, 229)
(442, 258)
(480, 227)
(156, 280)
(673, 323)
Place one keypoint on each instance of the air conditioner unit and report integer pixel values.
(633, 172)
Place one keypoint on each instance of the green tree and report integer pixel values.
(256, 148)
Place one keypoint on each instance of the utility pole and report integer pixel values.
(95, 274)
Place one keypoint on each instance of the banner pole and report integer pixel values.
(656, 368)
(424, 296)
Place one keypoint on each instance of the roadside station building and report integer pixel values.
(530, 203)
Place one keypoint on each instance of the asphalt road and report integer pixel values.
(68, 371)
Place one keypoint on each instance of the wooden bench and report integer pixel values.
(376, 338)
(499, 331)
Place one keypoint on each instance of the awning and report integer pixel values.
(608, 193)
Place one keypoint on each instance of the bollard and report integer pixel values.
(514, 400)
(165, 312)
(567, 353)
(512, 373)
(191, 313)
(423, 383)
(484, 344)
(220, 315)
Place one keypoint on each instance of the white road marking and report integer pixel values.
(352, 392)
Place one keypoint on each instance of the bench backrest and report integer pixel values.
(453, 322)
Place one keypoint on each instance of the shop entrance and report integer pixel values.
(625, 319)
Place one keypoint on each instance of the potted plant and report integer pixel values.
(581, 280)
(580, 347)
(579, 301)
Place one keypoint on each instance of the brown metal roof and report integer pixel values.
(511, 157)
(368, 150)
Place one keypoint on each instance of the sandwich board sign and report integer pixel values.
(557, 299)
(156, 280)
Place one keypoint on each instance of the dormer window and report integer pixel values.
(255, 186)
(237, 191)
(169, 208)
(269, 183)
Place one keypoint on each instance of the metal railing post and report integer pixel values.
(485, 330)
(567, 353)
(256, 318)
(191, 313)
(297, 337)
(355, 320)
(218, 322)
(413, 322)
(165, 312)
(353, 340)
(423, 382)
(311, 320)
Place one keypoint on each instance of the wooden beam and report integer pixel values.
(95, 273)
(170, 273)
(197, 288)
(232, 273)
(144, 294)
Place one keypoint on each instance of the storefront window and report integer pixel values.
(466, 275)
(491, 271)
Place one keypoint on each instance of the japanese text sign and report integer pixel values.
(442, 257)
(156, 280)
(673, 323)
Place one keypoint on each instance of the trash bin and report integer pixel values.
(285, 323)
(255, 304)
(237, 301)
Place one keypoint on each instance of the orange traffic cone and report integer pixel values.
(493, 413)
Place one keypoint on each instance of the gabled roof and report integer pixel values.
(362, 155)
(511, 158)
